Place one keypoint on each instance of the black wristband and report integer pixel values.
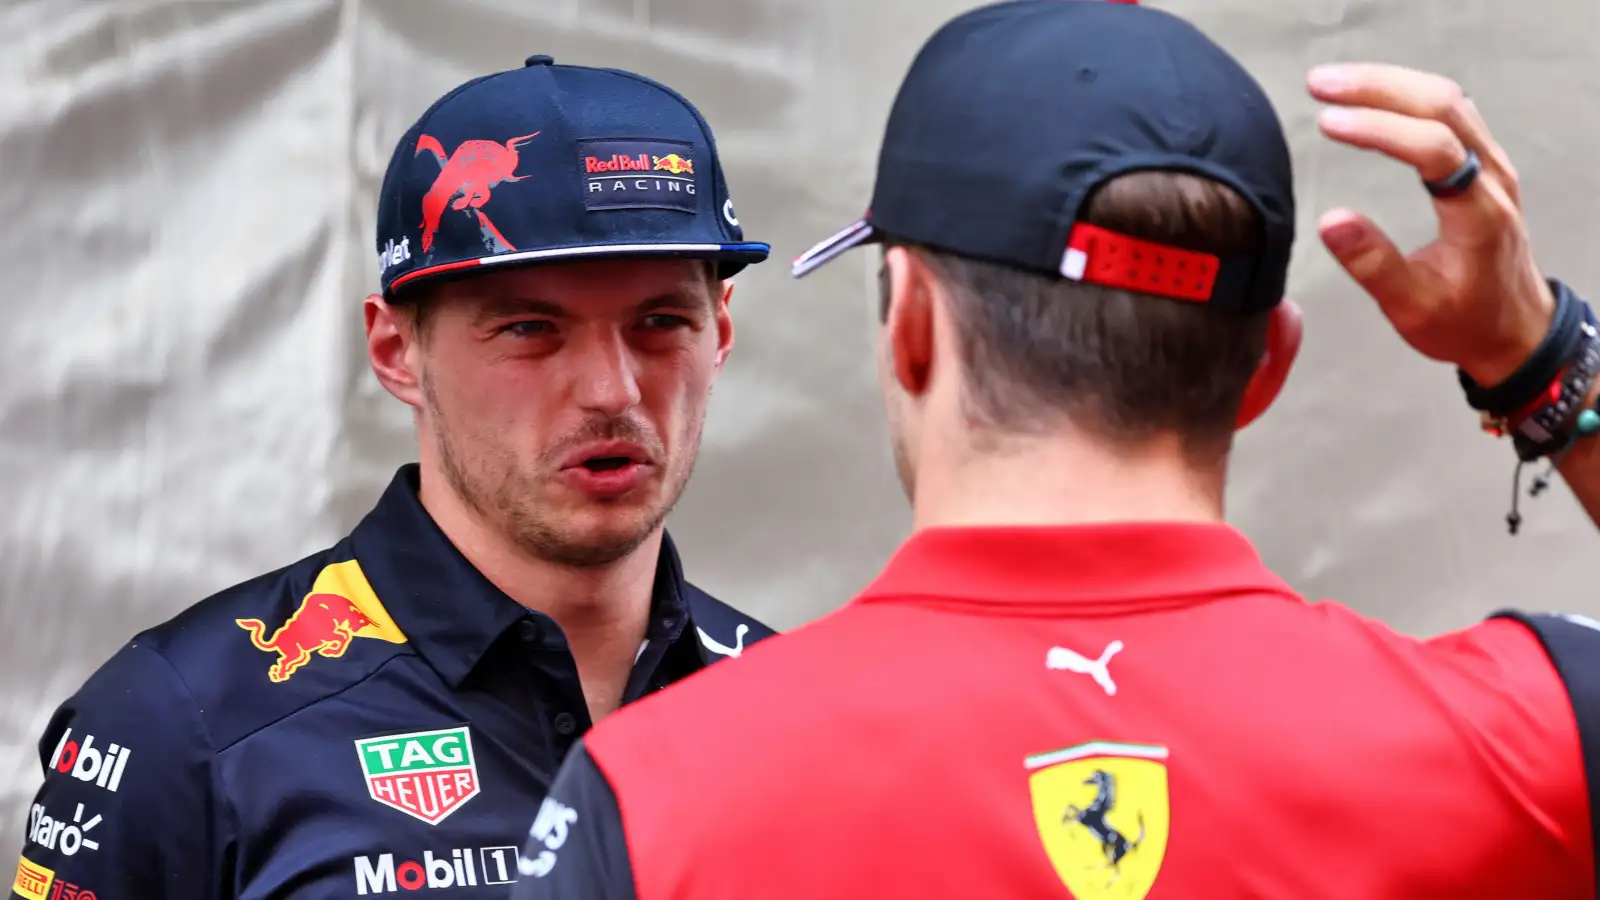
(1536, 373)
(1550, 428)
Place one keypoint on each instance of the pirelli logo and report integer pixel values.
(33, 880)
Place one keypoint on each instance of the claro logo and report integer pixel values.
(86, 762)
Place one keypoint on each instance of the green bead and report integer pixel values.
(1588, 422)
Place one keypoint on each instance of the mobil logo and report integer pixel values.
(101, 766)
(470, 867)
(426, 774)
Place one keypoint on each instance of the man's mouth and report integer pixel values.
(608, 456)
(608, 470)
(607, 463)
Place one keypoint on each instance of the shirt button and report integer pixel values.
(566, 723)
(530, 632)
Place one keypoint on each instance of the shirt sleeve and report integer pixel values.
(1572, 642)
(125, 808)
(576, 849)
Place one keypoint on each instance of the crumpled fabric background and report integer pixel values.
(187, 192)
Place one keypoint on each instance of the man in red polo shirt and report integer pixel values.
(1074, 679)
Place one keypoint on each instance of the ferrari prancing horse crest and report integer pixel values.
(1102, 812)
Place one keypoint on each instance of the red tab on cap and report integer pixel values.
(1115, 260)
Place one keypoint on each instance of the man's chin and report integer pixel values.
(586, 531)
(592, 544)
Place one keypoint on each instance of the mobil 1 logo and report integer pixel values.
(101, 766)
(462, 867)
(425, 774)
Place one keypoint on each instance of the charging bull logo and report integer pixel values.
(466, 178)
(1102, 814)
(675, 164)
(340, 607)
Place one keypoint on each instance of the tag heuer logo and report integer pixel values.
(428, 774)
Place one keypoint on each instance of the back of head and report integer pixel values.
(1041, 351)
(1107, 196)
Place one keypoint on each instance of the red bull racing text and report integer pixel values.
(639, 175)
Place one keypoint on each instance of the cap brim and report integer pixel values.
(857, 234)
(730, 258)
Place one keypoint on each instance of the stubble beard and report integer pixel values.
(505, 494)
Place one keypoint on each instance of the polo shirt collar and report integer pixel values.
(450, 613)
(1076, 568)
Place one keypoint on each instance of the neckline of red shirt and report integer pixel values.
(1085, 569)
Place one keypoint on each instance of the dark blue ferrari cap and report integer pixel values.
(1014, 113)
(555, 162)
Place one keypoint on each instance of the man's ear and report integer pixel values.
(724, 318)
(1284, 332)
(909, 323)
(389, 339)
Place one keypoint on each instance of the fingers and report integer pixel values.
(1435, 152)
(1495, 161)
(1374, 262)
(1420, 95)
(1428, 146)
(1409, 92)
(1425, 121)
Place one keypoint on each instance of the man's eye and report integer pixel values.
(532, 328)
(661, 321)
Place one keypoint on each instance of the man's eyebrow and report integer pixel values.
(490, 308)
(679, 299)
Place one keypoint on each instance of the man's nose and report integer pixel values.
(607, 380)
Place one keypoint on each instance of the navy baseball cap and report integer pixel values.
(550, 162)
(1013, 114)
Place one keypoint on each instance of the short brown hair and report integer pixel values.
(1039, 349)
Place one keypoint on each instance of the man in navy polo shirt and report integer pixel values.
(555, 243)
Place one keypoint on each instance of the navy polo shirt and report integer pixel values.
(376, 718)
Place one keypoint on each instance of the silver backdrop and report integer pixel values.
(188, 191)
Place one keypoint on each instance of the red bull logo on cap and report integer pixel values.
(340, 608)
(675, 164)
(643, 162)
(639, 174)
(466, 178)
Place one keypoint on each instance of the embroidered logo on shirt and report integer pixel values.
(1062, 659)
(340, 608)
(1103, 814)
(459, 868)
(426, 774)
(722, 649)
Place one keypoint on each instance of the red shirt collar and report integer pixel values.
(1086, 568)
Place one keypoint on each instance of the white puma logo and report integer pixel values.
(1062, 659)
(723, 649)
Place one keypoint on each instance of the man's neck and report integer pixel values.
(1062, 480)
(603, 611)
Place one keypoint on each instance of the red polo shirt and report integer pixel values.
(1104, 711)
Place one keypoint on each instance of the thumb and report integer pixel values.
(1372, 260)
